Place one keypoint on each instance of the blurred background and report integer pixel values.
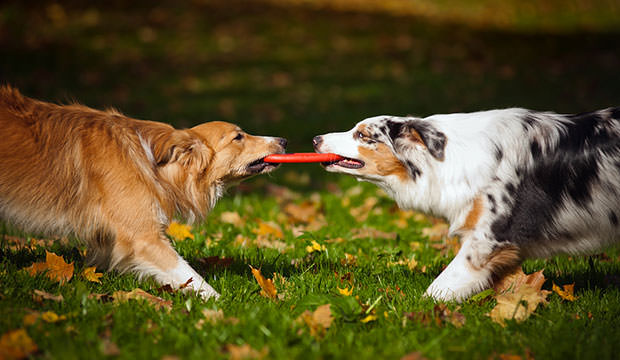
(298, 68)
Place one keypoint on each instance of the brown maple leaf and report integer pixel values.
(518, 296)
(54, 267)
(566, 292)
(268, 289)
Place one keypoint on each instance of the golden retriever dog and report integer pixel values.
(116, 182)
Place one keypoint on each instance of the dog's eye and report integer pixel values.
(238, 137)
(359, 135)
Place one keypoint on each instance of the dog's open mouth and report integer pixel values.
(260, 165)
(348, 163)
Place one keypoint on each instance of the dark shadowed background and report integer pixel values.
(298, 68)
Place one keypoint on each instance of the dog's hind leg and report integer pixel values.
(476, 266)
(151, 254)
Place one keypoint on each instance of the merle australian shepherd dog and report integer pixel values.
(513, 183)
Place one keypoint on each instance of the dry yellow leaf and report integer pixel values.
(269, 228)
(346, 291)
(518, 296)
(231, 217)
(16, 344)
(90, 274)
(179, 232)
(369, 318)
(139, 294)
(317, 321)
(315, 246)
(52, 317)
(268, 289)
(566, 292)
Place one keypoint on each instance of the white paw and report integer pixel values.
(208, 293)
(458, 282)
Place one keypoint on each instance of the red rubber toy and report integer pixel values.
(302, 158)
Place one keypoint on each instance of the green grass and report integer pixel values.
(140, 331)
(297, 72)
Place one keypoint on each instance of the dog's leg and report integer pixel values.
(474, 269)
(154, 256)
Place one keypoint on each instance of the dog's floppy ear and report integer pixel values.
(179, 146)
(417, 132)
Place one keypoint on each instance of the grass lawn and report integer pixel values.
(296, 72)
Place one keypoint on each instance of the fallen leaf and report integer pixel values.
(233, 218)
(262, 241)
(245, 351)
(282, 194)
(566, 292)
(52, 317)
(349, 260)
(346, 291)
(179, 232)
(139, 294)
(305, 212)
(369, 318)
(518, 296)
(410, 263)
(269, 228)
(16, 344)
(40, 295)
(31, 318)
(109, 348)
(315, 246)
(373, 234)
(213, 317)
(268, 289)
(440, 315)
(446, 315)
(436, 232)
(301, 178)
(36, 268)
(90, 274)
(54, 267)
(317, 321)
(362, 212)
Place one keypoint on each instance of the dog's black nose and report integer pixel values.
(282, 142)
(317, 140)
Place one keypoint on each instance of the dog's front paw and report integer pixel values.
(206, 292)
(439, 293)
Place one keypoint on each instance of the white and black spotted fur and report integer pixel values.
(512, 183)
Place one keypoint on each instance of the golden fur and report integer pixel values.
(115, 182)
